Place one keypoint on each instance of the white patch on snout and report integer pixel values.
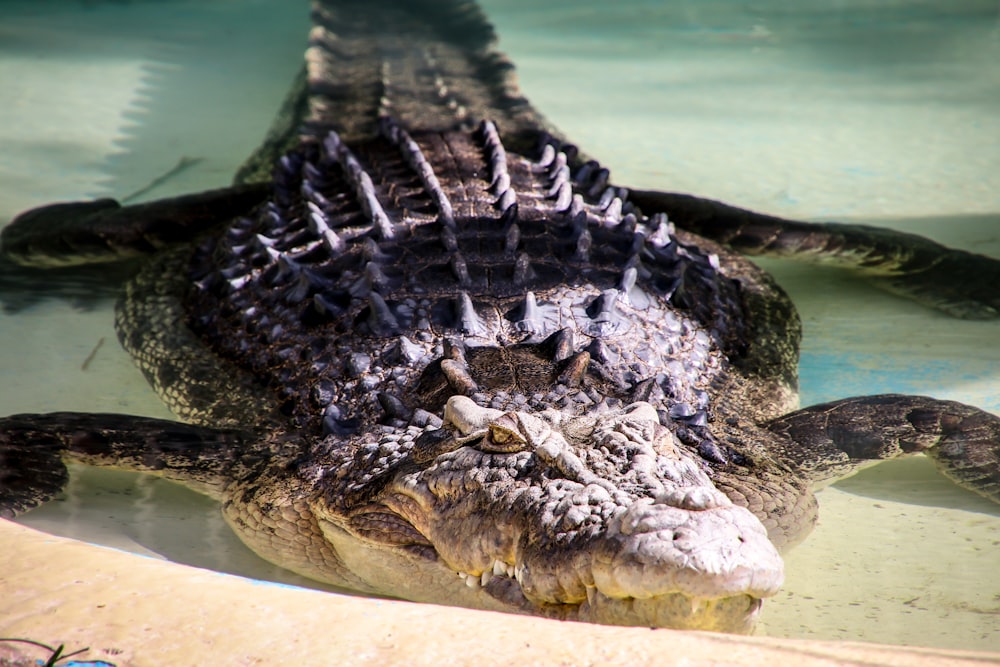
(474, 421)
(469, 418)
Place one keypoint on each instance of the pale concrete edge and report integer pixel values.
(134, 612)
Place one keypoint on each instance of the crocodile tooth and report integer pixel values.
(522, 269)
(697, 604)
(564, 198)
(512, 238)
(485, 578)
(472, 581)
(499, 568)
(469, 321)
(460, 269)
(510, 571)
(381, 321)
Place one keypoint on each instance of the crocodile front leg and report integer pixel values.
(33, 448)
(73, 233)
(962, 284)
(832, 440)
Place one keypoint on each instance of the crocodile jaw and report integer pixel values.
(727, 599)
(602, 519)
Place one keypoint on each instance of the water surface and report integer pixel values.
(883, 112)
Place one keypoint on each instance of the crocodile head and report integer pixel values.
(598, 518)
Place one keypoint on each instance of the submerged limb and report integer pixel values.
(74, 233)
(833, 440)
(33, 447)
(960, 283)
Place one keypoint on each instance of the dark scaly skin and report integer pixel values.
(379, 383)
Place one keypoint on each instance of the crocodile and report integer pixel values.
(426, 348)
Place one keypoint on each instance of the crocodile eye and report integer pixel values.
(504, 435)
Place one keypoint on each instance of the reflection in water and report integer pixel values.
(875, 110)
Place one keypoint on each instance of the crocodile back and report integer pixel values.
(387, 274)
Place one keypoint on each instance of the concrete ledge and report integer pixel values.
(135, 611)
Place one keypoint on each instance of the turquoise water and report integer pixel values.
(881, 112)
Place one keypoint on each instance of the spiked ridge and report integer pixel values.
(366, 246)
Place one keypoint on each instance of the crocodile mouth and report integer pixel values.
(619, 587)
(734, 613)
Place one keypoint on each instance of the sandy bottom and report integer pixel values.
(863, 112)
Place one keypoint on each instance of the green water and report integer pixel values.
(880, 112)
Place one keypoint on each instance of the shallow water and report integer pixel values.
(878, 111)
